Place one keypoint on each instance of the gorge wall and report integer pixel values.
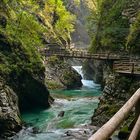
(114, 29)
(25, 28)
(80, 8)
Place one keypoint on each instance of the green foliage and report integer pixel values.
(77, 2)
(62, 20)
(54, 60)
(23, 30)
(26, 22)
(108, 27)
(133, 41)
(53, 85)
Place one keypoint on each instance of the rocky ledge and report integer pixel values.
(118, 89)
(59, 74)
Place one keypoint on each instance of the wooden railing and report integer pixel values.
(127, 66)
(81, 54)
(123, 64)
(106, 131)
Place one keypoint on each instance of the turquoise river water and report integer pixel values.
(77, 105)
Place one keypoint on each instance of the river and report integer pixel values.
(76, 107)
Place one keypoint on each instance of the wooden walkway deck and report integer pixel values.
(121, 64)
(127, 67)
(84, 55)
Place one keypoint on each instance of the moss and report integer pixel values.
(53, 60)
(114, 31)
(111, 109)
(71, 79)
(63, 73)
(53, 85)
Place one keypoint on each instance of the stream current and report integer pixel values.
(71, 110)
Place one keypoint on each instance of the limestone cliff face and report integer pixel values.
(117, 90)
(23, 88)
(22, 74)
(59, 74)
(93, 70)
(131, 11)
(117, 31)
(10, 121)
(80, 36)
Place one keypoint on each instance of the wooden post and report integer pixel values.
(109, 128)
(132, 70)
(81, 53)
(135, 132)
(72, 53)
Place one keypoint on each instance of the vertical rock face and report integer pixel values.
(24, 87)
(93, 69)
(31, 90)
(132, 10)
(59, 74)
(117, 90)
(80, 37)
(9, 113)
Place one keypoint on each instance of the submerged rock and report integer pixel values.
(61, 114)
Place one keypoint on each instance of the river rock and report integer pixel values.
(61, 113)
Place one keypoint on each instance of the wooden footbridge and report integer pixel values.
(83, 54)
(106, 131)
(121, 64)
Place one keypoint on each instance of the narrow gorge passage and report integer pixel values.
(69, 114)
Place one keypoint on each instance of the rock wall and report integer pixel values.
(80, 36)
(10, 121)
(59, 74)
(93, 70)
(117, 89)
(22, 84)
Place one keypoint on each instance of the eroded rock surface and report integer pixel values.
(10, 121)
(59, 74)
